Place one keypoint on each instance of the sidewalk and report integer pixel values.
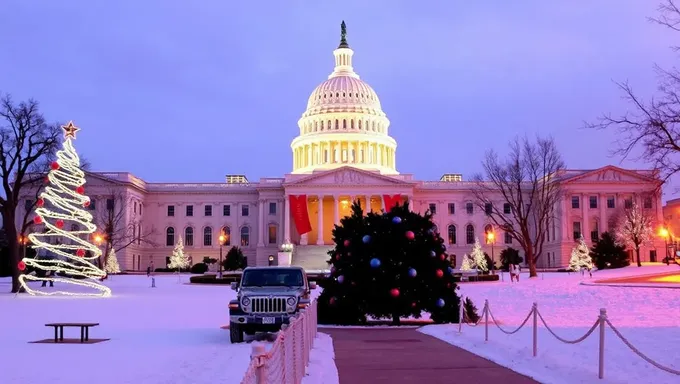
(392, 355)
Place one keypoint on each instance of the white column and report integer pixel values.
(565, 219)
(319, 223)
(602, 201)
(336, 209)
(262, 231)
(286, 219)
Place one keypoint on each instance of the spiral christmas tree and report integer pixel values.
(67, 228)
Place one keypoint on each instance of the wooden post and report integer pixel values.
(603, 318)
(534, 309)
(460, 315)
(257, 353)
(486, 320)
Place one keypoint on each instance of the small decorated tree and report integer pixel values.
(234, 260)
(388, 265)
(478, 257)
(580, 257)
(467, 263)
(608, 254)
(112, 267)
(179, 259)
(634, 229)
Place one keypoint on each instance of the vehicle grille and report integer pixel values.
(267, 305)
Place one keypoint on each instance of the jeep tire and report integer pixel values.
(235, 333)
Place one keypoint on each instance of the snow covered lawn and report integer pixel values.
(647, 317)
(168, 334)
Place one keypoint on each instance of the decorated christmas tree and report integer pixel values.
(178, 259)
(112, 266)
(467, 263)
(478, 257)
(67, 226)
(388, 265)
(580, 257)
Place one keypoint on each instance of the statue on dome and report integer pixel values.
(343, 35)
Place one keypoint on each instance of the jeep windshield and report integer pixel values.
(272, 278)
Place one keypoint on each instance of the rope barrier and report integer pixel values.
(488, 309)
(580, 339)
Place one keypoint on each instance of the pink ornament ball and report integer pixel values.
(410, 235)
(59, 224)
(21, 265)
(80, 253)
(346, 243)
(37, 220)
(440, 273)
(54, 166)
(80, 190)
(394, 292)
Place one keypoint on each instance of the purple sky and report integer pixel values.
(194, 90)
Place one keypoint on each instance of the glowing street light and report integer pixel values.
(663, 232)
(221, 239)
(491, 239)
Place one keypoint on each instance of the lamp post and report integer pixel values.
(23, 240)
(663, 232)
(221, 240)
(491, 239)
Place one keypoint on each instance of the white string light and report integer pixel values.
(66, 194)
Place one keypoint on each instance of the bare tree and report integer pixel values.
(527, 181)
(651, 126)
(634, 229)
(119, 228)
(28, 144)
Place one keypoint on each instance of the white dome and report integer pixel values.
(343, 94)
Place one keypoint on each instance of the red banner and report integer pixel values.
(391, 201)
(298, 207)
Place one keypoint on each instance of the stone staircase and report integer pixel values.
(311, 257)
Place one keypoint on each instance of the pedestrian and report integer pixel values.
(511, 268)
(149, 269)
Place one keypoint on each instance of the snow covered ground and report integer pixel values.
(647, 317)
(168, 334)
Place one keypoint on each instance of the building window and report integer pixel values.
(170, 236)
(28, 205)
(628, 203)
(433, 208)
(226, 210)
(189, 210)
(575, 202)
(488, 208)
(470, 234)
(272, 233)
(593, 202)
(93, 206)
(189, 236)
(594, 236)
(576, 226)
(171, 210)
(647, 204)
(272, 208)
(469, 208)
(652, 255)
(506, 209)
(245, 236)
(207, 210)
(135, 207)
(508, 238)
(611, 202)
(452, 234)
(109, 204)
(140, 211)
(245, 210)
(207, 236)
(452, 208)
(226, 231)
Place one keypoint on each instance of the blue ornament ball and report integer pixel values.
(443, 247)
(341, 278)
(433, 254)
(366, 239)
(430, 231)
(412, 272)
(375, 263)
(450, 270)
(396, 220)
(441, 303)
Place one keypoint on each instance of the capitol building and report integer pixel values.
(343, 153)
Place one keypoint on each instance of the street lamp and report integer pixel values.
(491, 239)
(222, 238)
(663, 232)
(23, 240)
(286, 247)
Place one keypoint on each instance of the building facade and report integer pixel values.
(343, 153)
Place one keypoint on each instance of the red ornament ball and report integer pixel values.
(47, 180)
(60, 224)
(440, 273)
(413, 304)
(331, 301)
(346, 243)
(86, 204)
(80, 253)
(442, 256)
(337, 257)
(37, 220)
(410, 235)
(40, 203)
(394, 292)
(21, 265)
(80, 190)
(54, 166)
(448, 285)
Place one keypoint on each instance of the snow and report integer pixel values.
(322, 369)
(168, 334)
(647, 317)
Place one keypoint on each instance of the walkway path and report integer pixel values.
(397, 355)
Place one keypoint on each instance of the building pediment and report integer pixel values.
(347, 176)
(612, 174)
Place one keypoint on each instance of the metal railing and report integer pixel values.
(601, 322)
(286, 362)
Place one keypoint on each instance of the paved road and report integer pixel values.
(395, 356)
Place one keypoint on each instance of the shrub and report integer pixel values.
(212, 279)
(470, 311)
(607, 254)
(509, 256)
(199, 268)
(234, 260)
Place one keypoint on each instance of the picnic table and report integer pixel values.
(59, 330)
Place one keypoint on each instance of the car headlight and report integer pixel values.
(245, 301)
(291, 301)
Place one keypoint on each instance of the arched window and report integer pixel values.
(316, 126)
(226, 231)
(330, 125)
(245, 236)
(344, 124)
(435, 229)
(170, 236)
(337, 124)
(207, 236)
(359, 124)
(322, 125)
(189, 236)
(452, 234)
(470, 234)
(351, 124)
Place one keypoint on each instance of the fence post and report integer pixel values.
(486, 320)
(257, 353)
(460, 315)
(603, 318)
(534, 309)
(305, 341)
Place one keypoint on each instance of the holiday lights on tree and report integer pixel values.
(634, 229)
(68, 225)
(467, 263)
(112, 266)
(580, 257)
(178, 259)
(478, 257)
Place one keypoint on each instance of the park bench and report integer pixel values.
(465, 275)
(59, 330)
